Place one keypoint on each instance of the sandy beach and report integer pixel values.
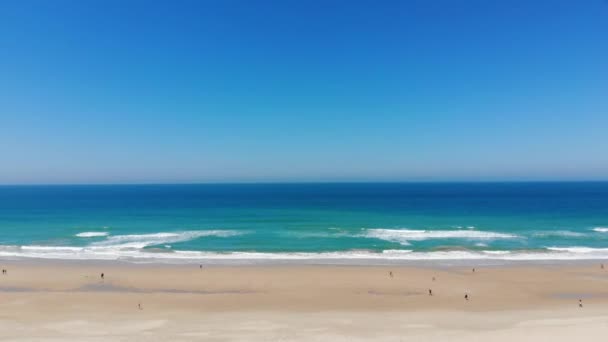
(50, 301)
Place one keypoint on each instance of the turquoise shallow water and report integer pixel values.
(248, 222)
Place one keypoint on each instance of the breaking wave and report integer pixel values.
(583, 250)
(92, 234)
(558, 233)
(403, 236)
(144, 240)
(353, 256)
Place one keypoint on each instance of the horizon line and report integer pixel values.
(308, 182)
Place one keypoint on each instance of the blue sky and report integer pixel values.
(225, 91)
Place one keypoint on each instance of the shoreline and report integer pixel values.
(337, 262)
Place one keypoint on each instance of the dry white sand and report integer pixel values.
(50, 301)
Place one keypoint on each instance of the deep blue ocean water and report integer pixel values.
(363, 221)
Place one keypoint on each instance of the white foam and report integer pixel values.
(144, 240)
(578, 249)
(558, 233)
(600, 229)
(92, 234)
(497, 252)
(403, 236)
(128, 254)
(35, 248)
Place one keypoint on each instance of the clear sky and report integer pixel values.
(253, 90)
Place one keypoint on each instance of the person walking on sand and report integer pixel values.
(102, 276)
(139, 306)
(580, 303)
(430, 292)
(390, 274)
(466, 296)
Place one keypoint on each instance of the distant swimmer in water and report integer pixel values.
(430, 292)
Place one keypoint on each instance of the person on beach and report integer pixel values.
(102, 276)
(602, 266)
(580, 303)
(433, 278)
(390, 274)
(473, 270)
(466, 296)
(200, 266)
(139, 306)
(430, 292)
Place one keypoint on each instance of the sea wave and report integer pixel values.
(497, 252)
(600, 229)
(403, 236)
(332, 233)
(144, 240)
(92, 234)
(578, 249)
(558, 233)
(353, 256)
(42, 249)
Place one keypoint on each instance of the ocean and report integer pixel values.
(357, 223)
